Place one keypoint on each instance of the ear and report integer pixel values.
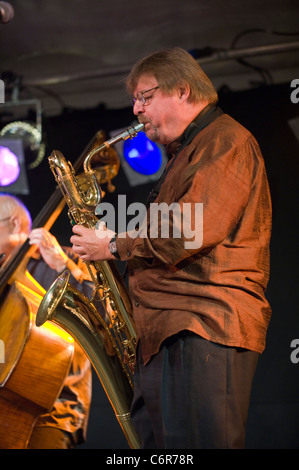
(184, 93)
(16, 224)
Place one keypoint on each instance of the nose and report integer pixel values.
(138, 108)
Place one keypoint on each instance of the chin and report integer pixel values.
(152, 134)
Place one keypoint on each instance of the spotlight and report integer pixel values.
(6, 12)
(13, 177)
(142, 155)
(10, 168)
(142, 160)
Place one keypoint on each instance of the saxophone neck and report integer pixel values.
(87, 161)
(66, 179)
(127, 134)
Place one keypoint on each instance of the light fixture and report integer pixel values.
(31, 137)
(30, 133)
(24, 139)
(13, 175)
(9, 164)
(142, 155)
(142, 160)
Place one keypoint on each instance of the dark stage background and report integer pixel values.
(266, 111)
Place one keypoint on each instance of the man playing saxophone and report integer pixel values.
(200, 312)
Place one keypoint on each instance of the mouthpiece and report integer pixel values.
(138, 127)
(128, 134)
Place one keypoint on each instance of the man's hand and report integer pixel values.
(92, 244)
(49, 248)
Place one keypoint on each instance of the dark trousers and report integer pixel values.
(193, 394)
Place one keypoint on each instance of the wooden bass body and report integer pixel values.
(36, 363)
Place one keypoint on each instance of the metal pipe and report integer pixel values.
(123, 70)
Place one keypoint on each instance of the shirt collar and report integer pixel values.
(205, 116)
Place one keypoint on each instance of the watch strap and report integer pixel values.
(112, 247)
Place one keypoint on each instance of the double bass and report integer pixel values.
(35, 365)
(34, 361)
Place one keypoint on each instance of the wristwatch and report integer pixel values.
(112, 247)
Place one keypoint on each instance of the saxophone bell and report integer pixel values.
(67, 307)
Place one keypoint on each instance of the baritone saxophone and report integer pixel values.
(108, 340)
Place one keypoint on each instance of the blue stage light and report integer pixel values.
(143, 155)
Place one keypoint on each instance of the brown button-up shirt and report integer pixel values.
(215, 287)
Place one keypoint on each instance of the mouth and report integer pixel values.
(146, 124)
(148, 127)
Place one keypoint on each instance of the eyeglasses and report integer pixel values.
(6, 218)
(143, 99)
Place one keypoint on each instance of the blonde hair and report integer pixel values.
(12, 206)
(173, 68)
